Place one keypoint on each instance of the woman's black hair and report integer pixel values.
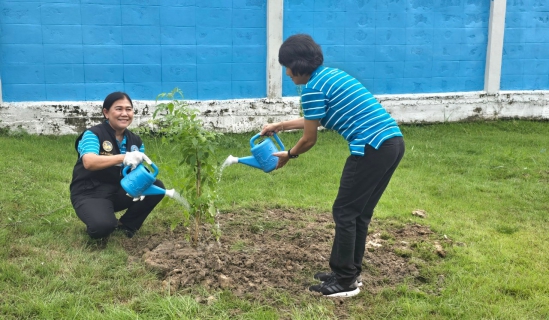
(113, 97)
(301, 54)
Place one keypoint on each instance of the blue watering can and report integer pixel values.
(139, 182)
(262, 154)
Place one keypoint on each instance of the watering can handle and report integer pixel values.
(282, 148)
(155, 169)
(126, 168)
(280, 144)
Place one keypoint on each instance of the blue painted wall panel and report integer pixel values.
(248, 89)
(101, 14)
(101, 35)
(398, 46)
(525, 64)
(214, 72)
(88, 1)
(207, 90)
(145, 54)
(21, 34)
(214, 36)
(142, 2)
(60, 14)
(21, 53)
(189, 89)
(179, 3)
(214, 54)
(66, 91)
(19, 12)
(245, 18)
(64, 73)
(109, 54)
(145, 89)
(98, 73)
(359, 53)
(178, 73)
(98, 91)
(253, 53)
(140, 15)
(61, 34)
(173, 55)
(215, 17)
(137, 73)
(177, 16)
(24, 92)
(178, 35)
(213, 4)
(248, 36)
(63, 53)
(249, 4)
(23, 74)
(217, 49)
(248, 71)
(149, 35)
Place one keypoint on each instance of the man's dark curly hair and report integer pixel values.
(301, 54)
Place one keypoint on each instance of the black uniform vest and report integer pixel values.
(84, 179)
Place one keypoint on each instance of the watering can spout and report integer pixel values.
(250, 161)
(154, 190)
(170, 193)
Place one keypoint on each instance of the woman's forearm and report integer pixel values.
(94, 162)
(308, 140)
(293, 124)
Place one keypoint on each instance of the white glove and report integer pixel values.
(140, 198)
(134, 158)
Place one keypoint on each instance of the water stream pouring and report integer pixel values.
(262, 154)
(139, 182)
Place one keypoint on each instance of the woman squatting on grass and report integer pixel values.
(337, 101)
(96, 193)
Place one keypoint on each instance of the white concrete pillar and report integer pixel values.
(494, 54)
(275, 15)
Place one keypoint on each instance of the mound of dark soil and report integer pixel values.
(280, 249)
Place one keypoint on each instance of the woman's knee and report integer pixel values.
(102, 229)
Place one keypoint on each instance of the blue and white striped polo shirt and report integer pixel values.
(343, 104)
(90, 144)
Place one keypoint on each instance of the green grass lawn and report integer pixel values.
(482, 184)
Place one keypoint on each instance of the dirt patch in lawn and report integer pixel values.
(281, 249)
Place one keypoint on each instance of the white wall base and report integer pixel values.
(249, 115)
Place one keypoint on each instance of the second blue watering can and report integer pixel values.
(139, 182)
(262, 154)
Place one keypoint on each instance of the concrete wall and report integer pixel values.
(426, 60)
(249, 115)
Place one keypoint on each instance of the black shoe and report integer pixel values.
(129, 232)
(333, 289)
(325, 276)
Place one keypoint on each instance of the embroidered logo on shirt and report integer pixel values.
(107, 146)
(134, 148)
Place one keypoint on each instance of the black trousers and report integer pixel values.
(363, 181)
(97, 207)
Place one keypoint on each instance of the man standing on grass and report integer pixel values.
(337, 101)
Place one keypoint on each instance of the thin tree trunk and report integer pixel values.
(198, 213)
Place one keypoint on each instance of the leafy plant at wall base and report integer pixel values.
(195, 146)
